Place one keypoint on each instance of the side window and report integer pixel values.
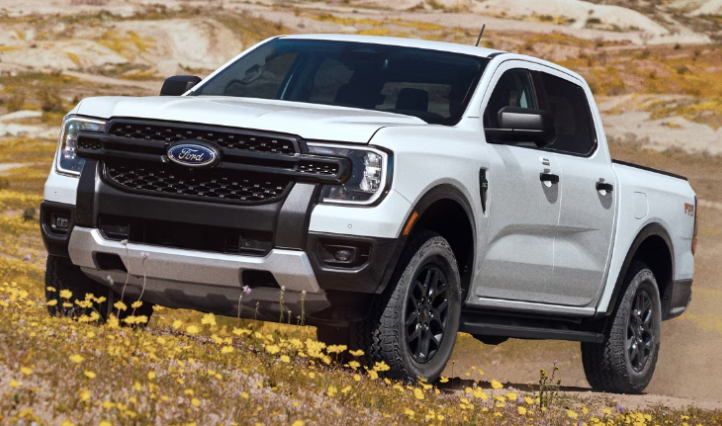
(568, 105)
(514, 88)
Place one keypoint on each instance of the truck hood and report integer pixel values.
(309, 121)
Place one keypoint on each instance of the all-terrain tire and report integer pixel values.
(625, 361)
(61, 274)
(385, 334)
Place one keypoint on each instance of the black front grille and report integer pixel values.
(176, 181)
(186, 236)
(227, 138)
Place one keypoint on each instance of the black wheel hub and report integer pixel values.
(426, 313)
(640, 331)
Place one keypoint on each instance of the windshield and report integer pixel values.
(432, 85)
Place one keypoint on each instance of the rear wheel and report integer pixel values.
(625, 362)
(62, 276)
(413, 329)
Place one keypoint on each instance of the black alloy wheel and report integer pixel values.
(625, 361)
(640, 331)
(427, 311)
(413, 327)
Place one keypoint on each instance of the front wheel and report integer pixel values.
(626, 360)
(413, 329)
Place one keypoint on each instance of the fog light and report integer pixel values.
(343, 256)
(62, 223)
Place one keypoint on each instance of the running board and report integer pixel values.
(524, 328)
(531, 333)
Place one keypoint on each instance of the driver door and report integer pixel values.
(523, 210)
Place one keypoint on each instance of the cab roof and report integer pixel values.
(395, 41)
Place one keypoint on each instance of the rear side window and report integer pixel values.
(568, 105)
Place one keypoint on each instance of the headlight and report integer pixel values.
(371, 172)
(67, 160)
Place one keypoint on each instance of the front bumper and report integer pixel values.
(291, 268)
(205, 281)
(188, 268)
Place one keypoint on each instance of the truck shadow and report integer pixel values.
(457, 384)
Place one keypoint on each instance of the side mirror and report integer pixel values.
(178, 85)
(518, 125)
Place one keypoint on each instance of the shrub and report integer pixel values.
(51, 102)
(29, 213)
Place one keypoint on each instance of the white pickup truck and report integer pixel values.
(392, 192)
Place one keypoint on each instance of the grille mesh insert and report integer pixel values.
(226, 139)
(203, 184)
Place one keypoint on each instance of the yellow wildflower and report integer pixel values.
(273, 349)
(51, 302)
(137, 304)
(418, 393)
(67, 423)
(89, 374)
(26, 371)
(177, 324)
(521, 410)
(358, 352)
(105, 423)
(480, 394)
(151, 375)
(195, 402)
(357, 377)
(192, 329)
(444, 379)
(119, 305)
(298, 423)
(208, 319)
(227, 349)
(66, 294)
(381, 366)
(332, 391)
(496, 384)
(77, 359)
(14, 383)
(335, 349)
(84, 395)
(285, 358)
(244, 395)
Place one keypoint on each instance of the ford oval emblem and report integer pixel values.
(191, 154)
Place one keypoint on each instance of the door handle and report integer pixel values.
(602, 186)
(548, 177)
